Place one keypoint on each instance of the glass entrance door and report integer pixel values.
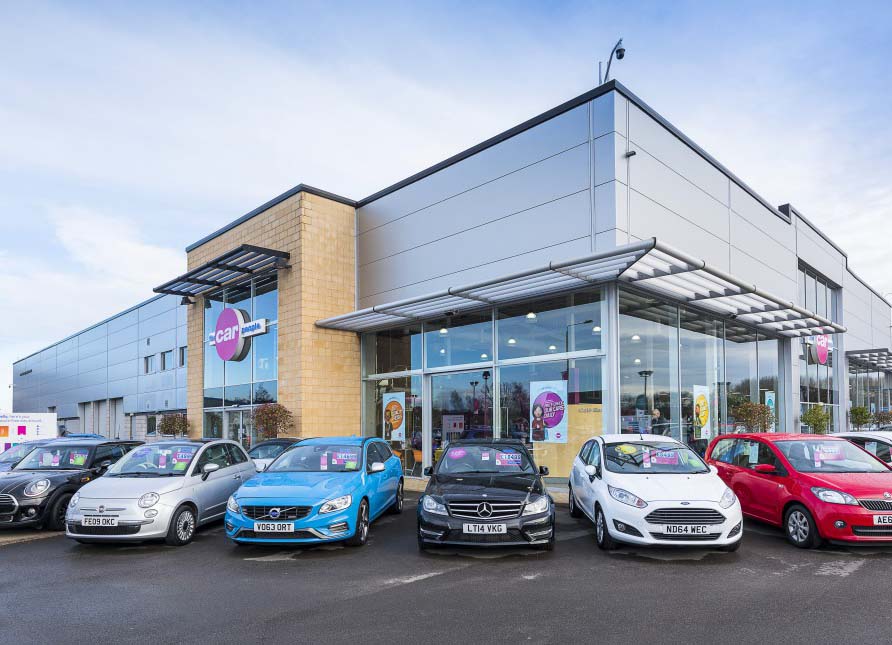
(239, 426)
(461, 408)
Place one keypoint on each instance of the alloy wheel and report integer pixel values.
(798, 526)
(399, 497)
(185, 526)
(572, 503)
(364, 523)
(599, 526)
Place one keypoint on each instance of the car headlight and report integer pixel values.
(624, 496)
(72, 503)
(728, 498)
(336, 504)
(539, 506)
(431, 505)
(148, 500)
(37, 488)
(834, 496)
(232, 505)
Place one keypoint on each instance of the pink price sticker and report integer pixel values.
(666, 458)
(55, 460)
(162, 461)
(342, 458)
(182, 455)
(507, 459)
(457, 453)
(828, 452)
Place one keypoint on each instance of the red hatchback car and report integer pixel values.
(815, 487)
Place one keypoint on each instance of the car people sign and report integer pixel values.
(232, 334)
(548, 411)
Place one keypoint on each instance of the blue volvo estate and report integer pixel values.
(318, 490)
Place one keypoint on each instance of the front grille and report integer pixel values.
(494, 509)
(296, 535)
(513, 535)
(876, 504)
(80, 529)
(872, 530)
(684, 516)
(8, 504)
(672, 537)
(735, 530)
(285, 512)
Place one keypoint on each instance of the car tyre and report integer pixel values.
(361, 535)
(56, 517)
(602, 534)
(575, 511)
(397, 507)
(182, 527)
(800, 528)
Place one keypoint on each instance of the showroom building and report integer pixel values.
(589, 269)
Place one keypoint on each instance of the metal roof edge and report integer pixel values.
(300, 188)
(94, 326)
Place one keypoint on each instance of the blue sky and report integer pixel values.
(128, 132)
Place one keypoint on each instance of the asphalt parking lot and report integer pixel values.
(212, 591)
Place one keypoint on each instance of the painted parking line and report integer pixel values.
(19, 537)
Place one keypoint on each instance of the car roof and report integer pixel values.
(774, 437)
(634, 437)
(879, 434)
(62, 441)
(350, 441)
(276, 440)
(487, 442)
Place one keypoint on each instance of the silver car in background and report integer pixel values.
(162, 490)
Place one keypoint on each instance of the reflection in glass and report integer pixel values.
(564, 324)
(237, 394)
(741, 368)
(458, 340)
(265, 392)
(393, 350)
(263, 348)
(213, 397)
(700, 350)
(213, 425)
(409, 448)
(461, 407)
(266, 298)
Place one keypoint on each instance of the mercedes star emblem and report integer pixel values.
(484, 509)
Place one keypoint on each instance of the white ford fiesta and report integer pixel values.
(652, 490)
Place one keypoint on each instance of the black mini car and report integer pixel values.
(486, 493)
(36, 492)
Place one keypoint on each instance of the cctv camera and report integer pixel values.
(620, 53)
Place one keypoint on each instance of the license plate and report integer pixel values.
(685, 529)
(882, 520)
(487, 529)
(274, 527)
(99, 521)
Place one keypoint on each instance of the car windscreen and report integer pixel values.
(321, 457)
(153, 460)
(484, 459)
(652, 458)
(267, 450)
(828, 456)
(15, 454)
(56, 458)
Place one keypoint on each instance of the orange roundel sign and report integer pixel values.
(393, 411)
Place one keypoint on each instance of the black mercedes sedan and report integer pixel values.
(36, 492)
(486, 493)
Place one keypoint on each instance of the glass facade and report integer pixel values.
(478, 376)
(232, 388)
(817, 354)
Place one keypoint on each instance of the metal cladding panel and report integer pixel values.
(124, 320)
(131, 403)
(156, 307)
(93, 348)
(523, 233)
(66, 410)
(757, 243)
(610, 208)
(93, 378)
(124, 354)
(97, 333)
(160, 342)
(512, 264)
(149, 382)
(609, 159)
(544, 140)
(545, 181)
(675, 192)
(181, 378)
(752, 270)
(649, 219)
(881, 318)
(751, 210)
(92, 363)
(182, 338)
(123, 337)
(182, 315)
(163, 322)
(817, 253)
(127, 369)
(608, 114)
(657, 141)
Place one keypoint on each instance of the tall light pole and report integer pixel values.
(620, 52)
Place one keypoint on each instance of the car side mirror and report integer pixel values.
(543, 470)
(592, 472)
(765, 469)
(207, 469)
(428, 471)
(376, 467)
(103, 466)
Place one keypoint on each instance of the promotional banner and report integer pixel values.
(702, 412)
(394, 406)
(770, 402)
(548, 411)
(18, 427)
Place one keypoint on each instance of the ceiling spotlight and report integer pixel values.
(531, 315)
(551, 348)
(443, 331)
(443, 351)
(511, 341)
(483, 356)
(637, 361)
(635, 338)
(596, 329)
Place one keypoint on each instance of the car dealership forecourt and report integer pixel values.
(588, 272)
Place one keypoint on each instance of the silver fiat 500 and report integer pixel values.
(160, 490)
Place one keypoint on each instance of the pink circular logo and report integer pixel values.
(228, 340)
(822, 348)
(552, 408)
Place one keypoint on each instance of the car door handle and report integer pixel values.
(237, 476)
